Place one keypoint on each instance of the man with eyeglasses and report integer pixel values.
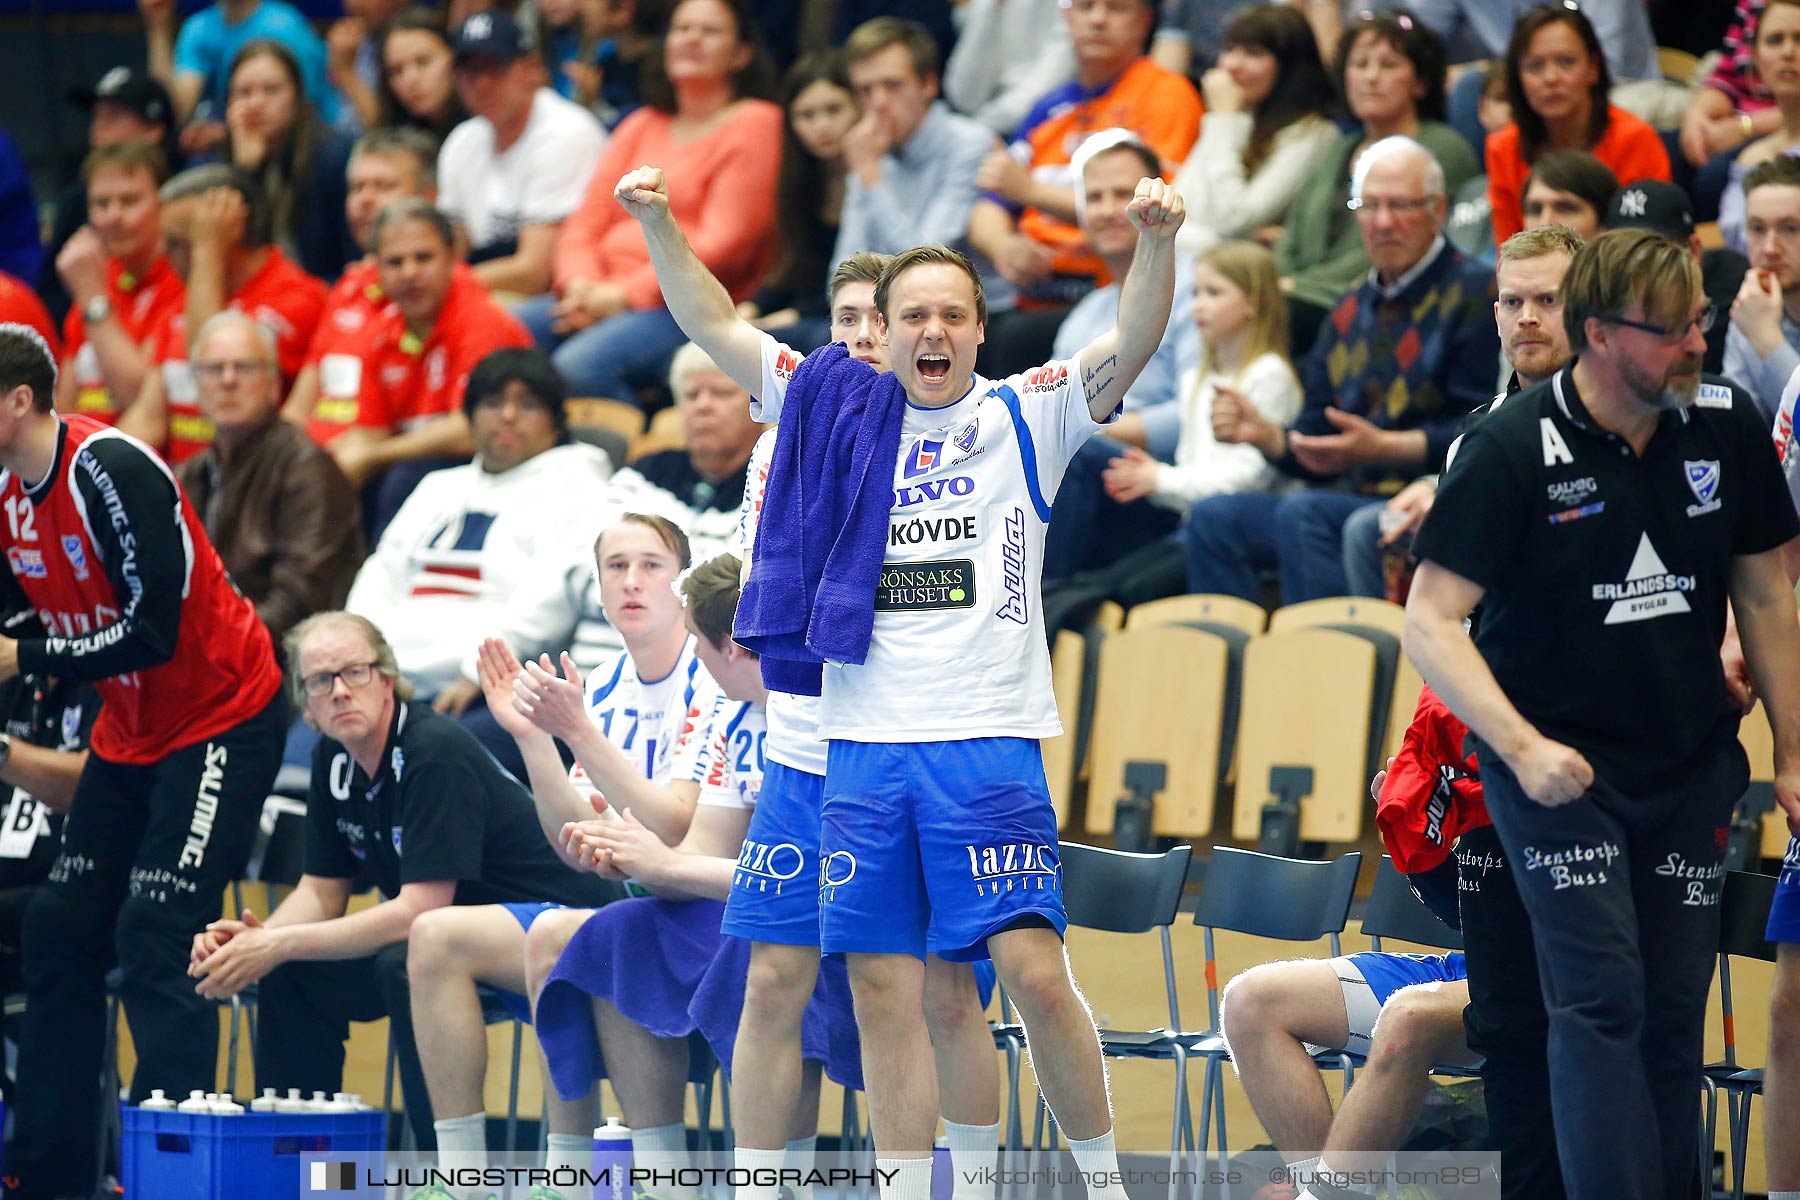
(101, 542)
(1664, 208)
(400, 795)
(280, 513)
(1602, 520)
(1396, 367)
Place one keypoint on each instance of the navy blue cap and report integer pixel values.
(492, 35)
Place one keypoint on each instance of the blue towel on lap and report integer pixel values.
(823, 532)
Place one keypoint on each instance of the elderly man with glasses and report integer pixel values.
(1397, 365)
(406, 797)
(281, 514)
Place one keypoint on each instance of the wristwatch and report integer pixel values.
(97, 309)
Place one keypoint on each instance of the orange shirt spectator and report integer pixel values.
(1159, 106)
(280, 296)
(143, 305)
(721, 190)
(20, 305)
(406, 380)
(1630, 147)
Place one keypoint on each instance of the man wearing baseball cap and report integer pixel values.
(126, 105)
(1664, 208)
(511, 173)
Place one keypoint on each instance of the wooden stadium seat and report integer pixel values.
(665, 433)
(1339, 610)
(1406, 701)
(1677, 65)
(1301, 707)
(597, 412)
(1160, 692)
(1199, 611)
(1759, 747)
(1068, 666)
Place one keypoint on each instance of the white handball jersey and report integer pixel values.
(647, 721)
(793, 721)
(959, 649)
(730, 757)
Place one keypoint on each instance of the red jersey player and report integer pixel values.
(101, 542)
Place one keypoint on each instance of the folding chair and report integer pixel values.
(1744, 915)
(1283, 899)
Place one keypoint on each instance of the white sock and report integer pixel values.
(802, 1155)
(662, 1148)
(911, 1178)
(1099, 1157)
(746, 1159)
(974, 1149)
(1303, 1167)
(1362, 1189)
(462, 1142)
(571, 1150)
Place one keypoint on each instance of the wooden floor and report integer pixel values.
(1122, 978)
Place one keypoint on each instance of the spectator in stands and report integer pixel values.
(418, 85)
(1023, 224)
(195, 67)
(987, 77)
(1571, 188)
(1665, 209)
(385, 165)
(277, 139)
(216, 229)
(809, 198)
(1385, 386)
(704, 122)
(596, 52)
(402, 797)
(910, 161)
(45, 721)
(125, 106)
(1087, 530)
(1265, 129)
(465, 556)
(353, 60)
(124, 289)
(1735, 105)
(1557, 81)
(1528, 313)
(1776, 67)
(281, 515)
(1390, 68)
(514, 171)
(410, 408)
(1244, 351)
(1763, 347)
(19, 305)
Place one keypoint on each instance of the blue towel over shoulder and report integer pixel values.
(823, 533)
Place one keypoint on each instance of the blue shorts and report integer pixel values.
(524, 912)
(935, 846)
(1784, 913)
(775, 889)
(1371, 977)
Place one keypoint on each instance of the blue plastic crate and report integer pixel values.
(198, 1156)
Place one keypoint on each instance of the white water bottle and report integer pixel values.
(265, 1103)
(224, 1105)
(293, 1102)
(195, 1103)
(157, 1102)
